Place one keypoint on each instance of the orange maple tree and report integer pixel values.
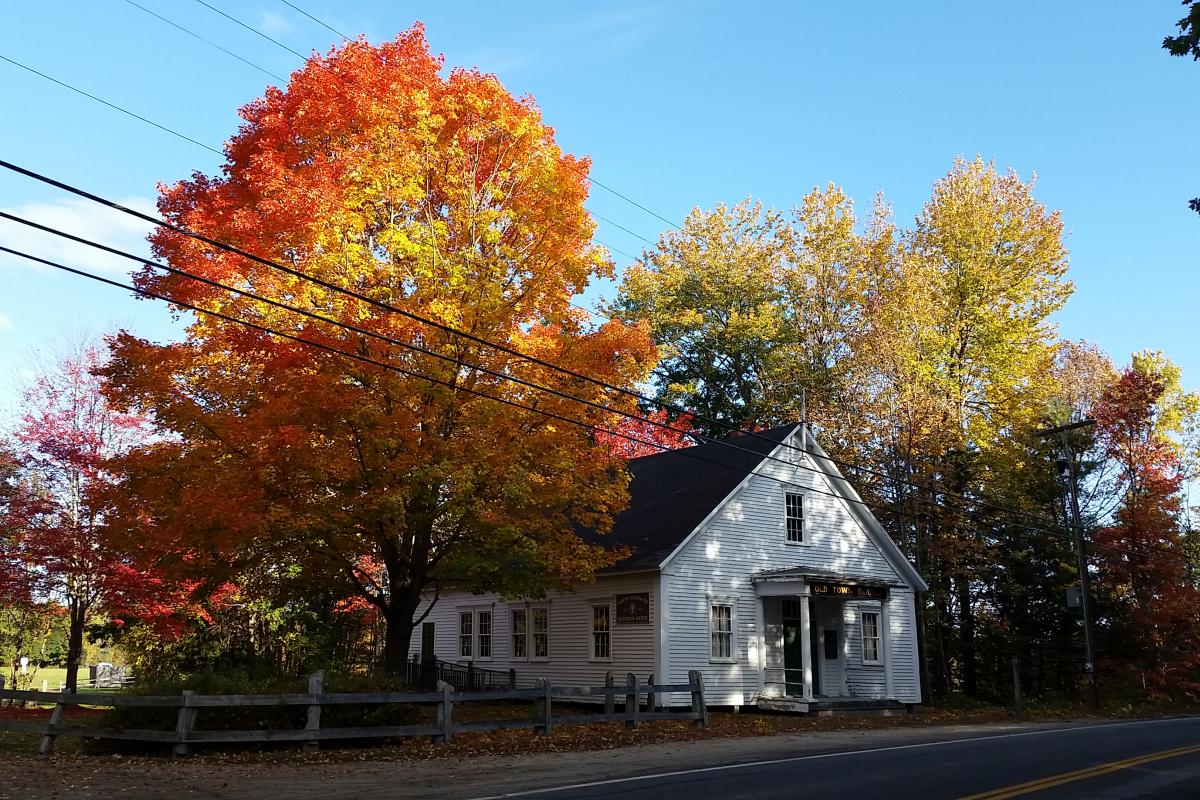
(444, 196)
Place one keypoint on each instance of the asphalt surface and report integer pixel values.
(1141, 759)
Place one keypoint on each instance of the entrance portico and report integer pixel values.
(825, 638)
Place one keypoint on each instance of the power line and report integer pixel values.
(252, 29)
(113, 106)
(458, 387)
(208, 42)
(502, 376)
(411, 373)
(451, 330)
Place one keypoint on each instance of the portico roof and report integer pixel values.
(814, 574)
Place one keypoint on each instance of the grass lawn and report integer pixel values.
(52, 675)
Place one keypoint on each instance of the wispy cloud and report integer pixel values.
(84, 219)
(274, 24)
(590, 37)
(6, 323)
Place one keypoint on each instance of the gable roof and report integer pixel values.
(672, 492)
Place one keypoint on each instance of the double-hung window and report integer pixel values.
(520, 633)
(475, 633)
(466, 636)
(795, 516)
(483, 626)
(872, 642)
(721, 630)
(539, 624)
(601, 632)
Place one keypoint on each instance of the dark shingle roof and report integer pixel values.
(670, 493)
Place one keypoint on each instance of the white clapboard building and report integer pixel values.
(756, 564)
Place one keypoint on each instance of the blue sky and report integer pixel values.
(680, 105)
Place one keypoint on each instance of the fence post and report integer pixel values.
(543, 709)
(56, 716)
(1018, 705)
(471, 676)
(650, 705)
(610, 699)
(633, 701)
(445, 716)
(696, 679)
(316, 685)
(184, 724)
(512, 679)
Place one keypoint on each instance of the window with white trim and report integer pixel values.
(466, 638)
(872, 641)
(539, 625)
(720, 623)
(601, 632)
(520, 633)
(795, 516)
(475, 634)
(483, 628)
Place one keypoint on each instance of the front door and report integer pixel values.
(427, 640)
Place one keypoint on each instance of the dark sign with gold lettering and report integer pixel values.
(849, 591)
(633, 609)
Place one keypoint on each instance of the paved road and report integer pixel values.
(1144, 759)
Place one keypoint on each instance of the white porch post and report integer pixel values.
(760, 631)
(885, 644)
(806, 641)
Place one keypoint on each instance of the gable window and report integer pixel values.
(601, 632)
(520, 633)
(872, 645)
(466, 627)
(475, 633)
(721, 630)
(539, 623)
(795, 516)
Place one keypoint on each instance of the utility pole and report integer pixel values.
(1067, 459)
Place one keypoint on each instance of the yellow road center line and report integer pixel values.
(1051, 781)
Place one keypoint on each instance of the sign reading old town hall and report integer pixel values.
(850, 590)
(633, 609)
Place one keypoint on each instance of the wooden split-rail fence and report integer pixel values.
(190, 705)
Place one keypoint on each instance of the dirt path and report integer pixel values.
(88, 777)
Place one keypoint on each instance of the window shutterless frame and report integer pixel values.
(793, 504)
(539, 633)
(722, 630)
(518, 633)
(600, 633)
(871, 635)
(475, 628)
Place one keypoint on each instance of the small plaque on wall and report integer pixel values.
(633, 609)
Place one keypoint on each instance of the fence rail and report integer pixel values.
(443, 729)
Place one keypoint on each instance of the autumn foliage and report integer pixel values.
(284, 466)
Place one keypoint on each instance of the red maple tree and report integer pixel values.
(54, 509)
(1141, 554)
(634, 438)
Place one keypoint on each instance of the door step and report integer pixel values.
(829, 707)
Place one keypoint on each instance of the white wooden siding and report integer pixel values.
(748, 535)
(632, 646)
(862, 680)
(902, 641)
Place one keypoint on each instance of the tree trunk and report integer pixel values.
(78, 616)
(966, 626)
(397, 637)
